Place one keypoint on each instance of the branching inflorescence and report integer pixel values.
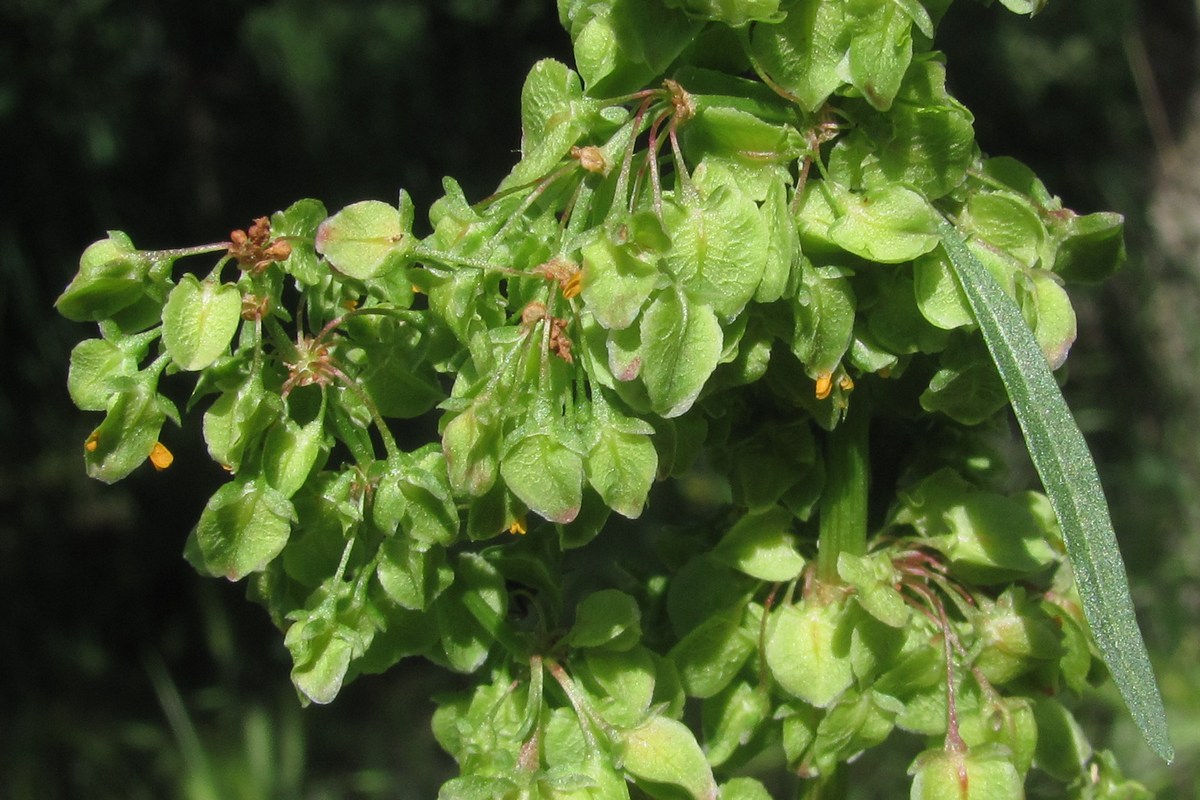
(746, 243)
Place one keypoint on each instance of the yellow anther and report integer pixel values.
(92, 442)
(517, 528)
(846, 383)
(824, 385)
(573, 285)
(161, 457)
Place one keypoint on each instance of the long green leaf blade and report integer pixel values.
(1069, 476)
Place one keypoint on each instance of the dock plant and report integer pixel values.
(690, 444)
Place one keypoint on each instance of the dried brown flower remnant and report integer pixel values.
(534, 312)
(253, 249)
(560, 344)
(313, 364)
(566, 273)
(254, 307)
(590, 158)
(685, 105)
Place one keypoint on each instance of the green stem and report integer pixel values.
(828, 786)
(843, 512)
(424, 253)
(533, 709)
(620, 196)
(577, 216)
(182, 252)
(158, 365)
(583, 709)
(215, 273)
(385, 434)
(381, 311)
(518, 216)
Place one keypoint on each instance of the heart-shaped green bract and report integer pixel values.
(888, 225)
(412, 577)
(719, 243)
(479, 587)
(607, 619)
(731, 12)
(711, 654)
(367, 238)
(237, 418)
(131, 426)
(245, 524)
(680, 345)
(413, 499)
(621, 465)
(322, 652)
(927, 140)
(545, 475)
(664, 751)
(554, 116)
(291, 451)
(762, 546)
(621, 45)
(98, 370)
(617, 281)
(804, 53)
(471, 443)
(297, 225)
(824, 310)
(199, 321)
(731, 717)
(808, 652)
(626, 680)
(112, 276)
(951, 775)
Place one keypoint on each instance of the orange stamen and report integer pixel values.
(573, 285)
(161, 457)
(824, 385)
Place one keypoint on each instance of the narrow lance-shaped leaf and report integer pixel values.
(1068, 473)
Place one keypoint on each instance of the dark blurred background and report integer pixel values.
(124, 675)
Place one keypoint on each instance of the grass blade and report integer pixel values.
(1068, 474)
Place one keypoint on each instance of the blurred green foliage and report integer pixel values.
(128, 677)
